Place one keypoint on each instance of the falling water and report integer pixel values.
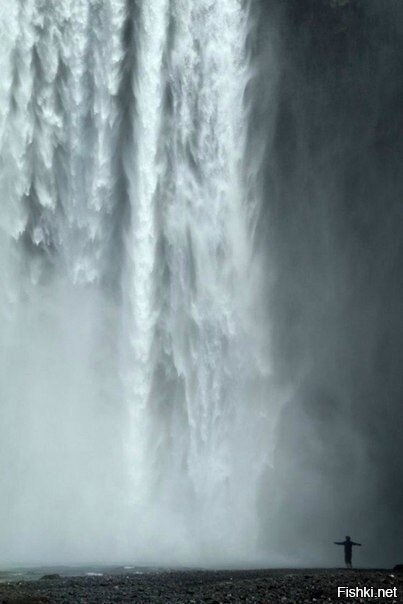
(133, 359)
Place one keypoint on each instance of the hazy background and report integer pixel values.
(333, 186)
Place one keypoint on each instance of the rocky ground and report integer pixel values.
(196, 586)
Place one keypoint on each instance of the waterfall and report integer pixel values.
(134, 366)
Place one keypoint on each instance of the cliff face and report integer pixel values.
(333, 226)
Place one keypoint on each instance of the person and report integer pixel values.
(348, 550)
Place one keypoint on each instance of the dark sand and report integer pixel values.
(194, 586)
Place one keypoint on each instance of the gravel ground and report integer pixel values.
(195, 586)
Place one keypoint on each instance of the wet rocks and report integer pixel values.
(198, 586)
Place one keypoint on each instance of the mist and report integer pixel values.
(200, 299)
(333, 195)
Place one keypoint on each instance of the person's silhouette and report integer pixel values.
(348, 550)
